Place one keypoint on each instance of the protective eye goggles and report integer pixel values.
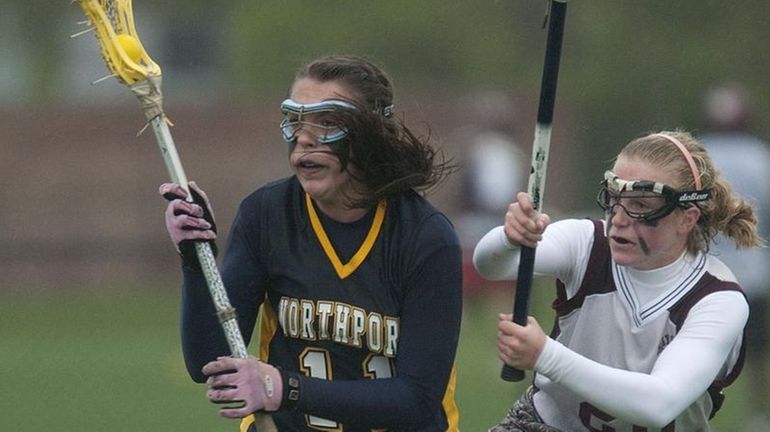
(320, 123)
(645, 200)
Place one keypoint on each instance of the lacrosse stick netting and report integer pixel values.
(128, 61)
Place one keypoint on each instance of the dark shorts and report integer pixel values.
(523, 417)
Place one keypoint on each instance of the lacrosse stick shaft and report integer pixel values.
(206, 258)
(126, 58)
(225, 311)
(540, 147)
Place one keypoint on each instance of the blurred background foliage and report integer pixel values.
(628, 66)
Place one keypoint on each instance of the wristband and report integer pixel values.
(292, 390)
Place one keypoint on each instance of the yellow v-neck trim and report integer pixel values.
(345, 270)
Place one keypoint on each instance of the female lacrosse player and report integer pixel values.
(358, 276)
(649, 326)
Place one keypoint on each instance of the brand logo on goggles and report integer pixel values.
(693, 196)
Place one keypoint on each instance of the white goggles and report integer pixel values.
(645, 200)
(319, 123)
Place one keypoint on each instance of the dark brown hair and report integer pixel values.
(380, 152)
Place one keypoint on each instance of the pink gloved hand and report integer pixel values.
(187, 222)
(246, 384)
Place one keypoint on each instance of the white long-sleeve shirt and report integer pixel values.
(631, 348)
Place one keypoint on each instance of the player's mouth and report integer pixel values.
(309, 165)
(309, 162)
(621, 241)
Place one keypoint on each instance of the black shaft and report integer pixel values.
(537, 179)
(551, 63)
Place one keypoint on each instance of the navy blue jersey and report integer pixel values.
(368, 312)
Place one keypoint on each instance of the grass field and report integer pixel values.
(85, 362)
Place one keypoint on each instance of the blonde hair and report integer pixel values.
(724, 212)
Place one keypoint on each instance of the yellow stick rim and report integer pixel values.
(122, 50)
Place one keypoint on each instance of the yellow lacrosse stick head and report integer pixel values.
(113, 21)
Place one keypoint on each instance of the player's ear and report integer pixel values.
(690, 219)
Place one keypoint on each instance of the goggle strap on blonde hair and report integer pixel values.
(687, 156)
